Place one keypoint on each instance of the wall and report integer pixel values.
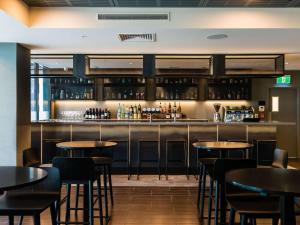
(14, 116)
(8, 99)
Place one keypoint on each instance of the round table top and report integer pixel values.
(222, 145)
(266, 180)
(12, 177)
(86, 144)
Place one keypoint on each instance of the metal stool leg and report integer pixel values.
(203, 192)
(105, 194)
(67, 214)
(110, 185)
(100, 200)
(77, 199)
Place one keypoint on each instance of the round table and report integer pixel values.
(85, 147)
(285, 183)
(12, 177)
(223, 147)
(85, 144)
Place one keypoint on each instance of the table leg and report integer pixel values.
(223, 204)
(287, 210)
(86, 203)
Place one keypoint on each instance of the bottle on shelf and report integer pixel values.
(119, 112)
(139, 113)
(134, 112)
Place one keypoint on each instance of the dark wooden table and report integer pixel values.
(223, 147)
(285, 183)
(85, 147)
(12, 177)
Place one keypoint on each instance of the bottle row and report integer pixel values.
(171, 94)
(241, 93)
(70, 81)
(160, 112)
(97, 113)
(124, 94)
(162, 80)
(72, 94)
(128, 81)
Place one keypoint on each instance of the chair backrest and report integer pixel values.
(49, 187)
(30, 158)
(222, 166)
(75, 170)
(280, 159)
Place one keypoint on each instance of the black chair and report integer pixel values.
(185, 151)
(280, 159)
(34, 199)
(217, 175)
(30, 158)
(80, 171)
(252, 207)
(206, 160)
(102, 166)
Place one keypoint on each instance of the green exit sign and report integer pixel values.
(284, 80)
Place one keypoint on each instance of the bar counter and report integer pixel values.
(153, 138)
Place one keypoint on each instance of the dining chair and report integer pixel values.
(33, 200)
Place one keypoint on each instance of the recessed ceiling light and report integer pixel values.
(217, 36)
(84, 36)
(286, 63)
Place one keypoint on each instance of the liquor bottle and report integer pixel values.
(119, 112)
(131, 112)
(139, 113)
(179, 108)
(105, 114)
(123, 112)
(126, 113)
(97, 113)
(173, 114)
(86, 115)
(125, 94)
(160, 108)
(91, 93)
(62, 94)
(102, 114)
(137, 95)
(177, 94)
(134, 112)
(131, 94)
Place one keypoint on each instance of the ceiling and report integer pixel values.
(163, 3)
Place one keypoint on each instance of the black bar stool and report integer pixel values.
(80, 171)
(139, 160)
(221, 167)
(174, 141)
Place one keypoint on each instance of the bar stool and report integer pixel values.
(102, 167)
(172, 141)
(265, 144)
(79, 171)
(139, 160)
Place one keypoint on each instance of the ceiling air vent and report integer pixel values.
(137, 37)
(134, 16)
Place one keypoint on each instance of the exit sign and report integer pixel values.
(284, 80)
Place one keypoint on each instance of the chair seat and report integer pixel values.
(256, 205)
(208, 161)
(102, 160)
(24, 205)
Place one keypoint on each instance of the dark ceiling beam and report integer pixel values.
(68, 3)
(293, 3)
(113, 3)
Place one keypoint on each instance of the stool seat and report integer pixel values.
(257, 205)
(104, 160)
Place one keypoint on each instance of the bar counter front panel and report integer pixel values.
(150, 141)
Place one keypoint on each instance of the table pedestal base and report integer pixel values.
(287, 210)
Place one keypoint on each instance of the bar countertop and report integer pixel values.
(182, 122)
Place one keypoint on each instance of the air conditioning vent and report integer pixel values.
(134, 16)
(151, 37)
